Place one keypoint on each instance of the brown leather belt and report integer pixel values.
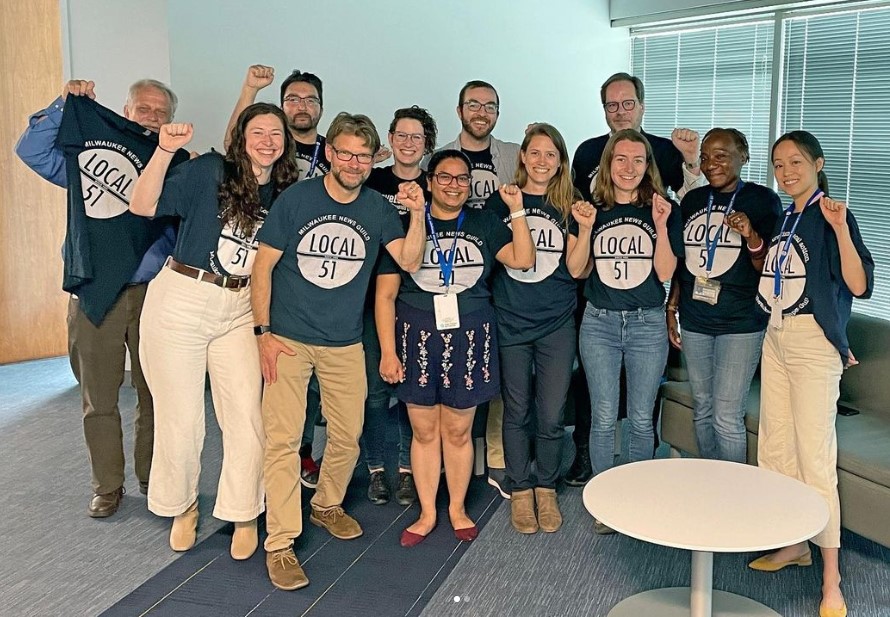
(226, 282)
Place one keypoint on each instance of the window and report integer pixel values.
(835, 83)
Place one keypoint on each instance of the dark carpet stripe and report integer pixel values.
(370, 575)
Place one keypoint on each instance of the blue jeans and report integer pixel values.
(639, 339)
(377, 415)
(720, 371)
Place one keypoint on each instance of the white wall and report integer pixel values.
(547, 63)
(374, 57)
(114, 43)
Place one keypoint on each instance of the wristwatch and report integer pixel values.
(258, 330)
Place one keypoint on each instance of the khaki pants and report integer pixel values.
(800, 385)
(190, 328)
(341, 376)
(97, 356)
(494, 435)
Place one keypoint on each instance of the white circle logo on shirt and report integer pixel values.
(549, 243)
(107, 178)
(303, 165)
(696, 237)
(468, 266)
(330, 255)
(236, 250)
(623, 256)
(482, 185)
(794, 276)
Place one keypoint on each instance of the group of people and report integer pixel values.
(448, 279)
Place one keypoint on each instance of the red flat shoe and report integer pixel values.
(409, 538)
(467, 534)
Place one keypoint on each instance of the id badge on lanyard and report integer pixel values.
(775, 314)
(445, 304)
(706, 289)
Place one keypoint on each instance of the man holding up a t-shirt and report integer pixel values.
(494, 163)
(677, 161)
(322, 238)
(96, 350)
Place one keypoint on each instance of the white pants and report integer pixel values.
(800, 385)
(190, 327)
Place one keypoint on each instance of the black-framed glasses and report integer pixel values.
(308, 101)
(626, 104)
(474, 105)
(416, 138)
(445, 179)
(346, 156)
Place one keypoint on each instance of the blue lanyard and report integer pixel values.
(446, 265)
(783, 254)
(314, 157)
(711, 243)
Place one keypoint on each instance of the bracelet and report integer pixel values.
(165, 149)
(671, 308)
(518, 214)
(692, 165)
(759, 247)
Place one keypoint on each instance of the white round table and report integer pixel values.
(703, 506)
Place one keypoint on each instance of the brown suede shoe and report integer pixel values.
(184, 530)
(522, 511)
(103, 505)
(549, 516)
(337, 522)
(285, 571)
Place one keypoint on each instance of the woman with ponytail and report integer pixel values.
(815, 265)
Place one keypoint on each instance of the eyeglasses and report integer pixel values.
(474, 105)
(445, 179)
(416, 138)
(346, 156)
(627, 105)
(308, 101)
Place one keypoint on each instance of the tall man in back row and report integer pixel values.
(677, 159)
(494, 163)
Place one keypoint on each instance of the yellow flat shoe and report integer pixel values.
(764, 564)
(824, 611)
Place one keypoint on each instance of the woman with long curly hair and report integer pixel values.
(197, 318)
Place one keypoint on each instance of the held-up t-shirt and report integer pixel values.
(205, 241)
(734, 312)
(480, 238)
(306, 153)
(104, 242)
(533, 303)
(586, 162)
(623, 246)
(320, 282)
(484, 177)
(812, 282)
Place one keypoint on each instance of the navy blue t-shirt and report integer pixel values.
(104, 242)
(205, 240)
(386, 182)
(309, 153)
(812, 282)
(319, 284)
(484, 177)
(623, 247)
(586, 162)
(480, 238)
(533, 303)
(734, 312)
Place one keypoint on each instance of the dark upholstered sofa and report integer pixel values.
(863, 459)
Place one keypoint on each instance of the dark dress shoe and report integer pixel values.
(105, 504)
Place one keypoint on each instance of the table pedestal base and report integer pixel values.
(674, 602)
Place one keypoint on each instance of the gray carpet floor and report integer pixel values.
(54, 560)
